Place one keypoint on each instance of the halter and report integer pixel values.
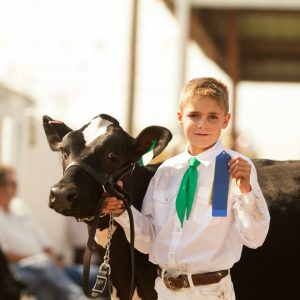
(108, 182)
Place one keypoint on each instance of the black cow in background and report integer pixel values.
(270, 272)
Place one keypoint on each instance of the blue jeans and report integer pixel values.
(47, 282)
(75, 273)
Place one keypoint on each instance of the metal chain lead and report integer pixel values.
(104, 270)
(106, 257)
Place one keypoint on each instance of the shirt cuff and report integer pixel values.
(123, 219)
(246, 201)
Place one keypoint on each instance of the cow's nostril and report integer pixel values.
(62, 198)
(52, 197)
(71, 196)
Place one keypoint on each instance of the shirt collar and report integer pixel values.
(209, 155)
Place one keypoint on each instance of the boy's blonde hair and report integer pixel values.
(205, 87)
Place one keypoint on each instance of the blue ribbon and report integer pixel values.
(221, 185)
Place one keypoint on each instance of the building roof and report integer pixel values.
(267, 41)
(251, 41)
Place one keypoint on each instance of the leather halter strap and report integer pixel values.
(108, 182)
(101, 178)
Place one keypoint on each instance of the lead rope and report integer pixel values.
(87, 258)
(126, 198)
(104, 181)
(106, 257)
(103, 280)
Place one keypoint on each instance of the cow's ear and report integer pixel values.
(55, 131)
(152, 138)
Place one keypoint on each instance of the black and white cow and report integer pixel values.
(106, 147)
(270, 272)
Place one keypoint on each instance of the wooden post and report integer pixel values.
(182, 12)
(132, 66)
(233, 65)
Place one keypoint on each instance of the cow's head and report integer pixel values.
(102, 145)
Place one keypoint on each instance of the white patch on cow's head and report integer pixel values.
(97, 127)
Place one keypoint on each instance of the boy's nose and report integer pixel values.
(202, 124)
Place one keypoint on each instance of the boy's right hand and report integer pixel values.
(112, 205)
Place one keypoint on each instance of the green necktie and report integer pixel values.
(187, 189)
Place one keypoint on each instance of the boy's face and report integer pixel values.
(202, 120)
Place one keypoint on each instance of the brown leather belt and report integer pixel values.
(182, 281)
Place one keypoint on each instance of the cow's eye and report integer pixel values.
(113, 156)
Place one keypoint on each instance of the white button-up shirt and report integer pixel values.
(204, 243)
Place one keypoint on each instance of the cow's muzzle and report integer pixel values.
(62, 199)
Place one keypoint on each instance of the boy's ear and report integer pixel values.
(226, 120)
(179, 118)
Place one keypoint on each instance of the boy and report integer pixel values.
(196, 238)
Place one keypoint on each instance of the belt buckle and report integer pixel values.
(168, 282)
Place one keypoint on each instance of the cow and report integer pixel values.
(272, 271)
(269, 272)
(106, 147)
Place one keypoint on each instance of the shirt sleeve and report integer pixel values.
(143, 222)
(251, 213)
(42, 236)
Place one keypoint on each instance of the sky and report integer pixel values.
(72, 57)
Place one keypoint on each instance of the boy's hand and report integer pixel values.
(112, 205)
(240, 169)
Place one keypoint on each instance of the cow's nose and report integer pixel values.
(52, 196)
(61, 197)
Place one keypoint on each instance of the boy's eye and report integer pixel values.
(213, 117)
(193, 115)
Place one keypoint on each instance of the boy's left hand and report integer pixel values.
(112, 205)
(240, 169)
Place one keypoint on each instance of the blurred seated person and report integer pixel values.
(27, 247)
(77, 235)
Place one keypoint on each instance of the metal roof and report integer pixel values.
(267, 41)
(250, 41)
